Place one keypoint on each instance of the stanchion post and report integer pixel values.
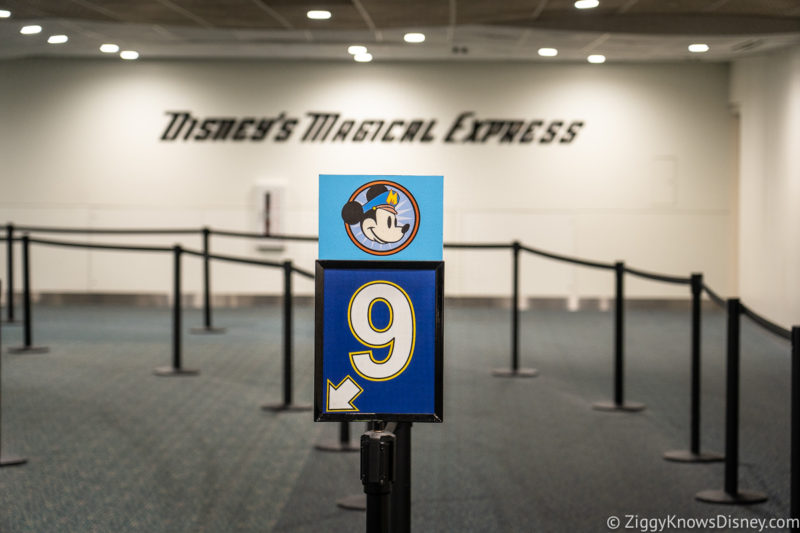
(730, 493)
(795, 442)
(515, 370)
(377, 476)
(287, 404)
(5, 460)
(207, 327)
(28, 346)
(401, 491)
(177, 367)
(694, 455)
(618, 403)
(10, 274)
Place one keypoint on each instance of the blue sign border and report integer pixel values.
(320, 386)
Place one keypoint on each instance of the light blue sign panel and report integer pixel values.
(364, 217)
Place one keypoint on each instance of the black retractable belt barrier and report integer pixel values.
(731, 494)
(795, 423)
(341, 444)
(177, 368)
(694, 455)
(5, 460)
(207, 327)
(515, 370)
(10, 274)
(287, 404)
(28, 347)
(619, 404)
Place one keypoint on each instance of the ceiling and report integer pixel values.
(458, 30)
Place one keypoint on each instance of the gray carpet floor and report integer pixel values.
(113, 448)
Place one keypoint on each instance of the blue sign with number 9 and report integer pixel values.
(379, 341)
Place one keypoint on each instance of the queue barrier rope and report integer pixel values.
(734, 307)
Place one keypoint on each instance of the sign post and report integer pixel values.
(378, 342)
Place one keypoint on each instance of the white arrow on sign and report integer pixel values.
(341, 396)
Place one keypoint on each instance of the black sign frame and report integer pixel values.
(320, 415)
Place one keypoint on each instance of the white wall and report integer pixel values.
(647, 180)
(766, 90)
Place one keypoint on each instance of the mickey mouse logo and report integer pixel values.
(381, 217)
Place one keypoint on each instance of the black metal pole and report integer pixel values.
(26, 287)
(287, 404)
(401, 491)
(515, 370)
(619, 334)
(515, 309)
(28, 346)
(618, 403)
(795, 442)
(10, 274)
(377, 475)
(694, 455)
(732, 399)
(207, 327)
(694, 431)
(731, 493)
(5, 460)
(206, 281)
(287, 333)
(177, 366)
(176, 311)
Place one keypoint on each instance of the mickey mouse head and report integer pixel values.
(378, 216)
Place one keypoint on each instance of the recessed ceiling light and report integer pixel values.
(57, 39)
(414, 37)
(30, 30)
(356, 49)
(109, 48)
(318, 14)
(129, 54)
(596, 58)
(548, 52)
(366, 57)
(698, 48)
(586, 4)
(4, 13)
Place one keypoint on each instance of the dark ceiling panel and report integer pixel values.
(243, 14)
(141, 12)
(23, 9)
(394, 14)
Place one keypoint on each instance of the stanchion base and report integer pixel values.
(518, 373)
(743, 497)
(286, 407)
(687, 456)
(206, 330)
(357, 502)
(168, 371)
(11, 460)
(29, 349)
(630, 407)
(337, 446)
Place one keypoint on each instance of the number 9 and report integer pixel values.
(399, 335)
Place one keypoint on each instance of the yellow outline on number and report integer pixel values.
(390, 343)
(336, 387)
